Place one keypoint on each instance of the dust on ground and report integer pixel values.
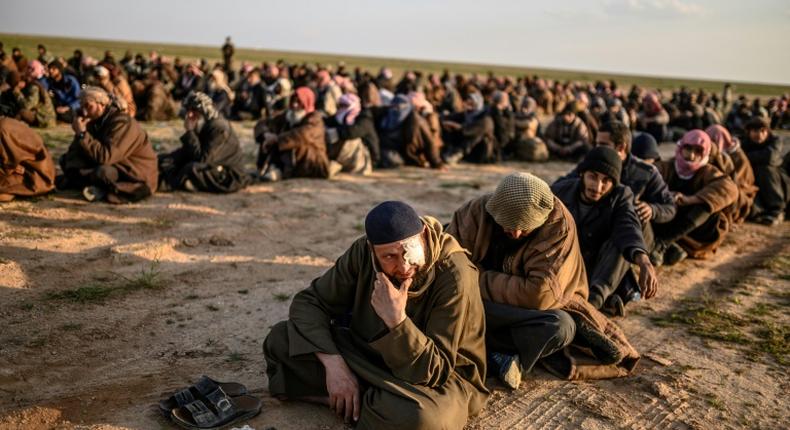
(107, 309)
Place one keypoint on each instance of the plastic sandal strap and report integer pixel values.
(184, 397)
(222, 403)
(202, 415)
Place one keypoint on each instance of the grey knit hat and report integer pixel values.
(522, 201)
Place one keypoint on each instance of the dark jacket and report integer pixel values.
(613, 217)
(768, 153)
(646, 185)
(66, 91)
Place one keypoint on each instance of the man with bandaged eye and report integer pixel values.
(392, 336)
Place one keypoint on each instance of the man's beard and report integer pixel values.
(294, 117)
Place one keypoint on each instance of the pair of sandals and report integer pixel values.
(210, 404)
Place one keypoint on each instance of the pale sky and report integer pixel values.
(714, 39)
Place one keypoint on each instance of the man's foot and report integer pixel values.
(674, 255)
(454, 158)
(595, 299)
(657, 254)
(93, 193)
(272, 174)
(334, 168)
(509, 368)
(189, 186)
(770, 220)
(614, 306)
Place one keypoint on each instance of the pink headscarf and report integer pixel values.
(687, 169)
(349, 107)
(722, 138)
(323, 78)
(306, 98)
(35, 69)
(418, 100)
(651, 103)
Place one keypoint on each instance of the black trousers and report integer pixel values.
(530, 333)
(772, 198)
(696, 221)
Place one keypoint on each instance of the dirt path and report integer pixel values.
(105, 308)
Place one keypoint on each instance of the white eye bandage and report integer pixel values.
(413, 251)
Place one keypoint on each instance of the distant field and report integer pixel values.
(61, 46)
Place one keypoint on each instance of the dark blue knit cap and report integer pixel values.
(645, 147)
(392, 221)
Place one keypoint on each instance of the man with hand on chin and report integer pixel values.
(392, 336)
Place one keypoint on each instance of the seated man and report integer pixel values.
(33, 100)
(764, 151)
(527, 145)
(610, 234)
(406, 137)
(26, 168)
(210, 158)
(733, 162)
(65, 91)
(250, 98)
(567, 136)
(351, 136)
(469, 135)
(111, 156)
(534, 284)
(392, 336)
(293, 144)
(702, 192)
(645, 148)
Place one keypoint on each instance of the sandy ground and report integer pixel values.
(106, 309)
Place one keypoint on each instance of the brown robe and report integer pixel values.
(116, 139)
(546, 272)
(736, 165)
(716, 190)
(26, 167)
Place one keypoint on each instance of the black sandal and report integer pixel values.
(202, 387)
(216, 410)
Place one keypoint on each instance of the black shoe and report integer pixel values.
(595, 299)
(771, 220)
(614, 306)
(509, 368)
(657, 254)
(674, 255)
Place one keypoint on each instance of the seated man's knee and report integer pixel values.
(276, 343)
(566, 327)
(105, 174)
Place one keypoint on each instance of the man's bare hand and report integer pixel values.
(342, 386)
(644, 211)
(79, 124)
(388, 301)
(648, 280)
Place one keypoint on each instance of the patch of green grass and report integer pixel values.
(23, 234)
(451, 185)
(236, 357)
(149, 278)
(159, 222)
(775, 340)
(715, 402)
(281, 297)
(91, 293)
(27, 306)
(71, 327)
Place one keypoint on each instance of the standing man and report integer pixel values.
(227, 55)
(392, 336)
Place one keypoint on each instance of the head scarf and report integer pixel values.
(722, 138)
(306, 97)
(687, 169)
(35, 69)
(399, 110)
(221, 82)
(418, 100)
(349, 107)
(96, 94)
(651, 104)
(202, 103)
(323, 78)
